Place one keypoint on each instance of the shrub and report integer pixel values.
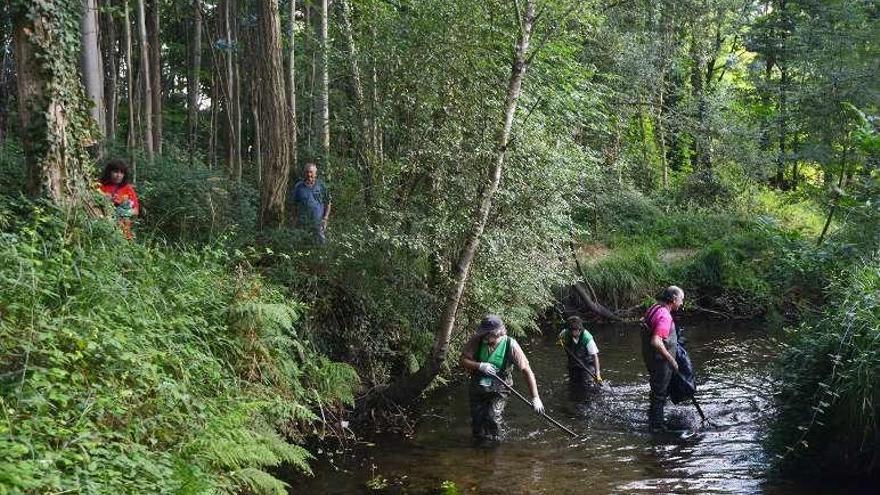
(830, 383)
(130, 368)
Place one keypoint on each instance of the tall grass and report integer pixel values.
(130, 368)
(828, 421)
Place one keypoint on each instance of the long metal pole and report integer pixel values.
(527, 401)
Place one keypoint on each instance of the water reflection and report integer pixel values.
(615, 454)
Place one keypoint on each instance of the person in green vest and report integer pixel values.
(490, 352)
(584, 372)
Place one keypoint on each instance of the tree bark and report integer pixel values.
(291, 86)
(155, 93)
(273, 114)
(91, 63)
(53, 109)
(324, 100)
(147, 102)
(407, 389)
(232, 142)
(111, 73)
(193, 86)
(129, 81)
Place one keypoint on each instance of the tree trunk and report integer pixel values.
(407, 389)
(780, 156)
(7, 75)
(111, 73)
(274, 125)
(232, 142)
(92, 66)
(193, 86)
(53, 120)
(324, 100)
(129, 81)
(291, 87)
(364, 151)
(155, 93)
(147, 103)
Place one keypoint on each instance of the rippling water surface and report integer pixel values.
(615, 454)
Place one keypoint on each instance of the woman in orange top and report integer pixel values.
(116, 187)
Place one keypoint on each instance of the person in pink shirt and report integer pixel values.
(659, 340)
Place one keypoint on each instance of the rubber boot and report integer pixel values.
(655, 415)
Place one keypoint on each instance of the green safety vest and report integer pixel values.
(583, 341)
(498, 358)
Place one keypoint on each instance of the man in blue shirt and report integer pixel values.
(311, 202)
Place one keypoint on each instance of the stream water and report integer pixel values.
(614, 454)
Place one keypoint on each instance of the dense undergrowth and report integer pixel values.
(830, 382)
(128, 367)
(749, 258)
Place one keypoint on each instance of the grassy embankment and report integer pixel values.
(130, 367)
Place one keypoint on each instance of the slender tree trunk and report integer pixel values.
(6, 73)
(407, 389)
(111, 72)
(155, 74)
(780, 156)
(147, 103)
(194, 87)
(274, 114)
(258, 148)
(291, 87)
(325, 85)
(129, 81)
(212, 132)
(236, 120)
(92, 66)
(661, 134)
(232, 145)
(365, 158)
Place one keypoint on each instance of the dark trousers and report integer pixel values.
(487, 409)
(581, 385)
(661, 376)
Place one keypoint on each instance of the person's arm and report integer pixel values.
(467, 362)
(326, 214)
(598, 369)
(470, 364)
(522, 363)
(657, 343)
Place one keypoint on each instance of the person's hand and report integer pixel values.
(560, 342)
(488, 369)
(674, 366)
(599, 379)
(537, 405)
(323, 224)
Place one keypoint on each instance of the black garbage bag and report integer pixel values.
(683, 385)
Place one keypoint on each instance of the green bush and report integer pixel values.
(129, 368)
(192, 202)
(830, 383)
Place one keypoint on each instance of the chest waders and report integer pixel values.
(578, 356)
(658, 367)
(487, 396)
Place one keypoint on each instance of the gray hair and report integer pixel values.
(671, 293)
(309, 165)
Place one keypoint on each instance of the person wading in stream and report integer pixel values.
(659, 339)
(489, 352)
(584, 373)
